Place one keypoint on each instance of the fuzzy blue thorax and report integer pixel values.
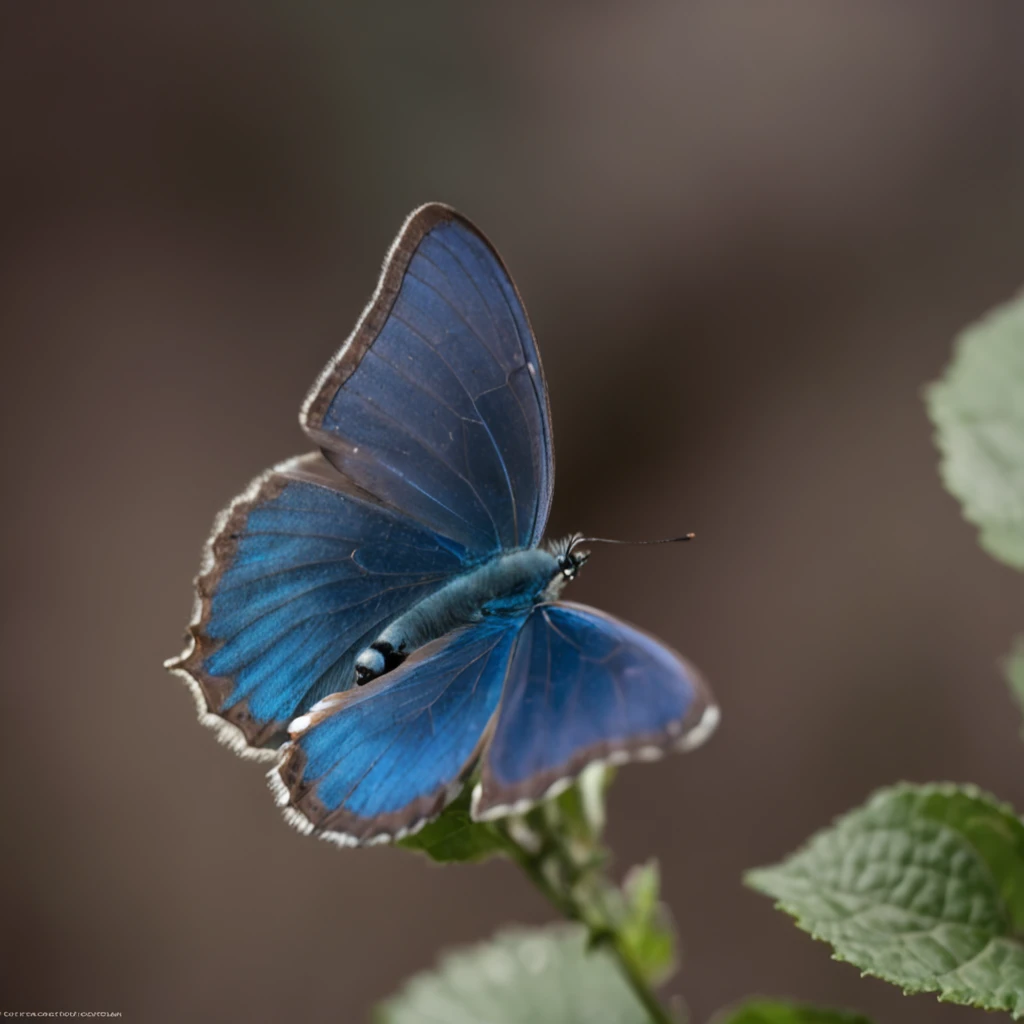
(504, 585)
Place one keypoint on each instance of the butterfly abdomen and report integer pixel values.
(504, 585)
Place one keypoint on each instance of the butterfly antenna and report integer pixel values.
(608, 540)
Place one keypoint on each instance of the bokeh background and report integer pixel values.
(746, 234)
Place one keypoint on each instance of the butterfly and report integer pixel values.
(380, 616)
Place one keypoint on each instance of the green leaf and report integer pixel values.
(543, 976)
(1014, 668)
(647, 930)
(456, 837)
(923, 887)
(771, 1011)
(978, 412)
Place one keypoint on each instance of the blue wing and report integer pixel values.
(376, 763)
(300, 574)
(437, 404)
(584, 687)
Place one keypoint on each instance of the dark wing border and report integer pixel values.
(236, 728)
(346, 829)
(682, 735)
(417, 226)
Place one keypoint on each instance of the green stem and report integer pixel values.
(641, 989)
(585, 900)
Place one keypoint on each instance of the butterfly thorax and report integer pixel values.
(504, 585)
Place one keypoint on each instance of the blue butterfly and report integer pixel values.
(380, 617)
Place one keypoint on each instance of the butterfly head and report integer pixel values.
(571, 558)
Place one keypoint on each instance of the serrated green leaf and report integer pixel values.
(455, 837)
(1014, 668)
(923, 886)
(647, 930)
(978, 412)
(773, 1011)
(542, 976)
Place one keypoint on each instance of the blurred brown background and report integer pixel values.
(746, 234)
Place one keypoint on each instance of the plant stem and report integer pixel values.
(641, 989)
(583, 896)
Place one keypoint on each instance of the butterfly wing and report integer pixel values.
(300, 574)
(585, 687)
(437, 404)
(376, 763)
(435, 420)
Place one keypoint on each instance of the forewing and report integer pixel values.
(300, 573)
(437, 404)
(376, 763)
(585, 687)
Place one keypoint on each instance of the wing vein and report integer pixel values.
(474, 400)
(430, 450)
(501, 365)
(321, 613)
